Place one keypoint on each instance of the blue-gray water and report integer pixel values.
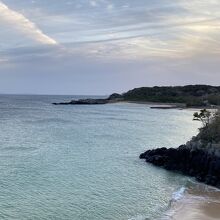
(81, 162)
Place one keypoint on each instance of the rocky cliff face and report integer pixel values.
(193, 159)
(200, 157)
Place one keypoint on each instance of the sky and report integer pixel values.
(97, 47)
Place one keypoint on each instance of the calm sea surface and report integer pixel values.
(81, 162)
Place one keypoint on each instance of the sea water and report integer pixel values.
(82, 162)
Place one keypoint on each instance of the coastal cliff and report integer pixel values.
(200, 157)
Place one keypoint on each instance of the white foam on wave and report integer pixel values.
(189, 196)
(139, 217)
(178, 194)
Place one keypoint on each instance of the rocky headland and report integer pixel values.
(111, 99)
(179, 96)
(84, 102)
(200, 157)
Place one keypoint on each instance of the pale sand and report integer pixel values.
(179, 106)
(198, 211)
(198, 204)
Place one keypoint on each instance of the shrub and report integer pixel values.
(210, 132)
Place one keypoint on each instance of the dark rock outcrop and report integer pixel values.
(111, 99)
(85, 102)
(115, 96)
(190, 159)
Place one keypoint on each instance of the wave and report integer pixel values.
(178, 194)
(194, 201)
(139, 217)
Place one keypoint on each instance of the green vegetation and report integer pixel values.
(191, 95)
(204, 116)
(210, 132)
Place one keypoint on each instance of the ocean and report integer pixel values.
(82, 162)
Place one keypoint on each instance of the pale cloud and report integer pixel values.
(23, 24)
(138, 31)
(136, 43)
(110, 7)
(93, 3)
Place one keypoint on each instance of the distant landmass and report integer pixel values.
(189, 96)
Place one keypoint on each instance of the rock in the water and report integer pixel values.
(84, 102)
(111, 99)
(198, 162)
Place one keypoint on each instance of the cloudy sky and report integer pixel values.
(103, 46)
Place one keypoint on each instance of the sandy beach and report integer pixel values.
(200, 203)
(170, 105)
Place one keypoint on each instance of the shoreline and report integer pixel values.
(170, 105)
(115, 99)
(161, 105)
(198, 203)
